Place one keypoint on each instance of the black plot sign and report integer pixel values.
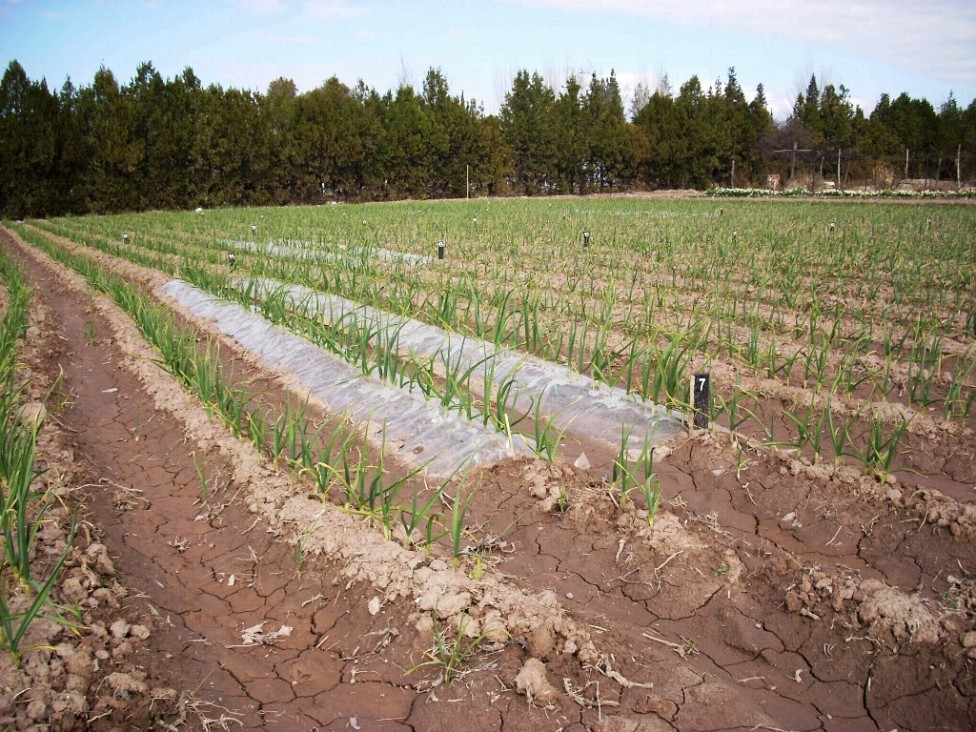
(701, 401)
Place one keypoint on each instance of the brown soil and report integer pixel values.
(766, 594)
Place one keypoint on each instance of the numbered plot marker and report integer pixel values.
(701, 401)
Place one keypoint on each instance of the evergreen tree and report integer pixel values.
(454, 138)
(278, 109)
(699, 161)
(328, 134)
(664, 142)
(370, 164)
(72, 154)
(572, 140)
(612, 142)
(234, 149)
(528, 126)
(497, 159)
(806, 110)
(761, 126)
(109, 119)
(28, 145)
(405, 156)
(836, 117)
(170, 143)
(913, 126)
(165, 128)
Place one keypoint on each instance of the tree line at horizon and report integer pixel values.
(157, 143)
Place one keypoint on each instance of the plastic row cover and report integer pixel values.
(412, 429)
(298, 249)
(565, 397)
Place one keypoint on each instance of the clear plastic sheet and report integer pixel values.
(388, 255)
(568, 399)
(409, 427)
(305, 250)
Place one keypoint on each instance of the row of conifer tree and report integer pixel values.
(174, 143)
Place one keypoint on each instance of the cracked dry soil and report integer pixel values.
(764, 596)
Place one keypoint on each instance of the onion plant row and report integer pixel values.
(822, 296)
(328, 453)
(25, 591)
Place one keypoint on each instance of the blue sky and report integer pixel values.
(925, 48)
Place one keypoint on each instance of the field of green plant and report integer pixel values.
(838, 337)
(841, 333)
(837, 330)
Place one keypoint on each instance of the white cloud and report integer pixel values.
(332, 9)
(779, 105)
(262, 37)
(936, 37)
(264, 7)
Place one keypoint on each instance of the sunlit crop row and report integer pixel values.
(833, 328)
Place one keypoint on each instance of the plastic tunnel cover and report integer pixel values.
(307, 250)
(415, 431)
(569, 400)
